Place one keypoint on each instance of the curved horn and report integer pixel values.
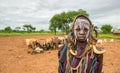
(95, 50)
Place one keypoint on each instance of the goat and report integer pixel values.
(34, 45)
(48, 44)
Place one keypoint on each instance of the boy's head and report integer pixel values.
(81, 28)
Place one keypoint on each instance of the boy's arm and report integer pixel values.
(100, 60)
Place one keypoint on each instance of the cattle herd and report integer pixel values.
(35, 46)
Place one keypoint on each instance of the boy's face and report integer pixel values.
(81, 29)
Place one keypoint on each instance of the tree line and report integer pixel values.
(59, 22)
(24, 28)
(63, 20)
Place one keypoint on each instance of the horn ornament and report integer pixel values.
(95, 50)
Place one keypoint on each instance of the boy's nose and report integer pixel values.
(81, 32)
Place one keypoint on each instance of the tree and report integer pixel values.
(42, 30)
(106, 28)
(28, 27)
(64, 22)
(17, 28)
(54, 22)
(8, 29)
(61, 21)
(32, 28)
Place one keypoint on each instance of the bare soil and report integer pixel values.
(15, 59)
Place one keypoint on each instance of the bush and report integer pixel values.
(8, 29)
(106, 28)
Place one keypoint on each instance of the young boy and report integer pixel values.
(80, 54)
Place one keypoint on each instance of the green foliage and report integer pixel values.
(54, 23)
(96, 27)
(28, 27)
(8, 29)
(42, 30)
(61, 21)
(17, 29)
(106, 28)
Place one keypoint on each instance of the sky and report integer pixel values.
(16, 13)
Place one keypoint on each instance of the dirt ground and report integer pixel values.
(15, 59)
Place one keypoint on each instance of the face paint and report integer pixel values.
(81, 29)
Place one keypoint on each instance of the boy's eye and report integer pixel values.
(77, 29)
(85, 29)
